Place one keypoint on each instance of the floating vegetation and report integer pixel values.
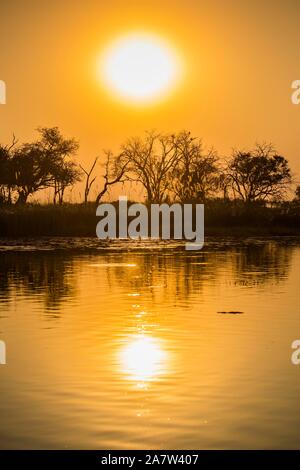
(231, 312)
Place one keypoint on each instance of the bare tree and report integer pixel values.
(224, 184)
(13, 144)
(195, 177)
(115, 172)
(89, 182)
(150, 161)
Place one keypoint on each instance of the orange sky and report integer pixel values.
(241, 58)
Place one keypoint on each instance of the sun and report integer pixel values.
(140, 68)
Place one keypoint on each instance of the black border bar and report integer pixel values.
(148, 459)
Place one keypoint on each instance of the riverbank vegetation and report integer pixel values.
(249, 191)
(221, 218)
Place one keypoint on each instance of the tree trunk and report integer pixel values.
(22, 199)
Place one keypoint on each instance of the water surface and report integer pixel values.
(130, 346)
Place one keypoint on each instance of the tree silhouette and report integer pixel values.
(64, 176)
(195, 176)
(150, 161)
(260, 174)
(88, 181)
(31, 167)
(116, 168)
(6, 172)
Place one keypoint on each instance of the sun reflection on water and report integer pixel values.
(143, 359)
